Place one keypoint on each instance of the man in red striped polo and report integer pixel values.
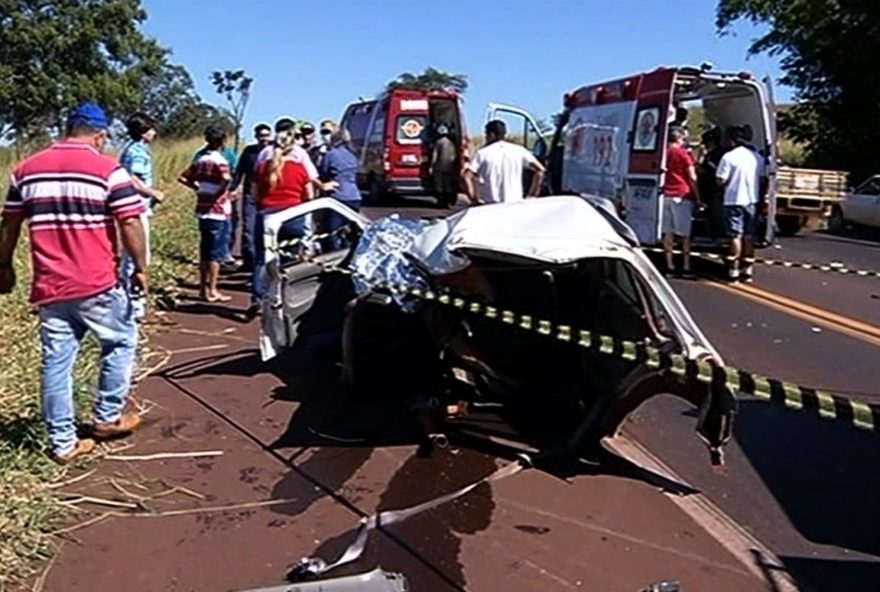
(76, 200)
(209, 175)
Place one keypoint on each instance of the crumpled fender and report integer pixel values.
(716, 403)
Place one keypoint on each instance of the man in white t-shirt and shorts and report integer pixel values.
(741, 173)
(495, 173)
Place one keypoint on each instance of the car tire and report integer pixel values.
(836, 222)
(790, 225)
(376, 194)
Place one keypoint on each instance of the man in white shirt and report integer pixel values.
(495, 174)
(741, 173)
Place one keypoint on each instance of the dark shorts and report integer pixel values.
(214, 241)
(740, 221)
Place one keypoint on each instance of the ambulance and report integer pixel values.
(393, 137)
(610, 140)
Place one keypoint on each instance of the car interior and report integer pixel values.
(445, 112)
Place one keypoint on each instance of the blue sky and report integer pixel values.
(310, 58)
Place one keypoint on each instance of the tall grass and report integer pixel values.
(28, 511)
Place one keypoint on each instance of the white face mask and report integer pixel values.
(299, 141)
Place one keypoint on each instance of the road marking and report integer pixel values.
(842, 324)
(729, 533)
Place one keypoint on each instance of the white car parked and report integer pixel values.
(862, 206)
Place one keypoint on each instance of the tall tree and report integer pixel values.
(191, 119)
(235, 85)
(54, 54)
(430, 79)
(170, 96)
(828, 51)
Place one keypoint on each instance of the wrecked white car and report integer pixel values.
(565, 259)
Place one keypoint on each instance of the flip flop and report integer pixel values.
(219, 298)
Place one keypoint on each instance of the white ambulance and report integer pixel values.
(610, 141)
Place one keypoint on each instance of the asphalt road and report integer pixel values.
(807, 487)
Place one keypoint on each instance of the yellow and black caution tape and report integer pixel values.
(287, 245)
(833, 266)
(826, 404)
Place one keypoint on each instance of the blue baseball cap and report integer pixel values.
(89, 114)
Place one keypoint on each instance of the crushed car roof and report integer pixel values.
(557, 229)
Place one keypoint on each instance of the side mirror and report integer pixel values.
(539, 149)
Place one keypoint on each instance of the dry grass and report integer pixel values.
(28, 511)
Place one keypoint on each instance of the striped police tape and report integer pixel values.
(793, 396)
(832, 266)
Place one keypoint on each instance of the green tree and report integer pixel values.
(828, 51)
(55, 53)
(430, 79)
(190, 120)
(170, 96)
(235, 85)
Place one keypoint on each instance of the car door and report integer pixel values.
(522, 129)
(647, 161)
(302, 300)
(863, 205)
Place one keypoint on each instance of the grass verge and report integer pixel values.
(28, 510)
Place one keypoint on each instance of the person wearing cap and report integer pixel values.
(443, 170)
(309, 143)
(242, 185)
(740, 172)
(76, 202)
(136, 157)
(327, 127)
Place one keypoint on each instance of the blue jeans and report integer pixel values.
(109, 318)
(293, 228)
(248, 230)
(233, 226)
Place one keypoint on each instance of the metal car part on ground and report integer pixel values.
(557, 258)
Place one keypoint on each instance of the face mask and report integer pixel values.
(299, 141)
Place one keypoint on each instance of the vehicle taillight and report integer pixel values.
(386, 160)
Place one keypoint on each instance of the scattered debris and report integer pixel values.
(816, 329)
(377, 580)
(164, 455)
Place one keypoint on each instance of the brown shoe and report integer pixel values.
(83, 447)
(123, 426)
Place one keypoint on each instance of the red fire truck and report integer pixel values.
(610, 140)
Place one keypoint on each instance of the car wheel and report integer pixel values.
(376, 193)
(789, 225)
(836, 223)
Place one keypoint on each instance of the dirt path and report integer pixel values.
(280, 491)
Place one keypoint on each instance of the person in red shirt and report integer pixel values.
(76, 200)
(286, 179)
(680, 196)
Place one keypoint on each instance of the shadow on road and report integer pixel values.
(833, 575)
(831, 496)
